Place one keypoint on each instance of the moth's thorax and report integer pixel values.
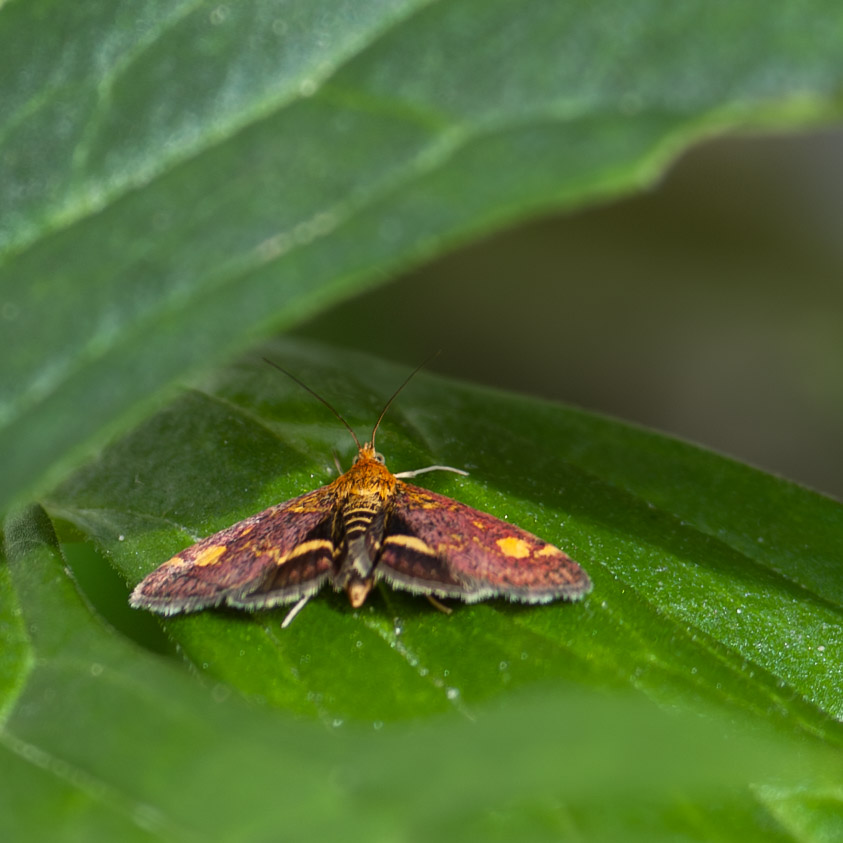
(367, 478)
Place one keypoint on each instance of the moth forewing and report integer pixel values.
(276, 556)
(440, 545)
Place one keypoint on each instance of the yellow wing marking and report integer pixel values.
(411, 543)
(210, 555)
(306, 547)
(513, 547)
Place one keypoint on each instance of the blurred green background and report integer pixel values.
(710, 307)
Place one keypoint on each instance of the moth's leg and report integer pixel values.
(402, 474)
(294, 611)
(446, 610)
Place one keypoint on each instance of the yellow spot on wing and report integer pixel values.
(410, 542)
(549, 550)
(210, 555)
(513, 547)
(306, 547)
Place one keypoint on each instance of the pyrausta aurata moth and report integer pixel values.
(366, 526)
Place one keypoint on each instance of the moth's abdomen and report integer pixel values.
(361, 526)
(358, 518)
(358, 535)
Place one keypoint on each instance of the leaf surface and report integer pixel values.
(180, 179)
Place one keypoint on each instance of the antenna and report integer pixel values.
(400, 388)
(347, 425)
(320, 398)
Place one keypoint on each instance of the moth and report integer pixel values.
(365, 527)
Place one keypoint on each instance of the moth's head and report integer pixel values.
(367, 477)
(367, 453)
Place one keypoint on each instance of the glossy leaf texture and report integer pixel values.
(104, 742)
(180, 179)
(715, 593)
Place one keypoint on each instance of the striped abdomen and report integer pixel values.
(358, 531)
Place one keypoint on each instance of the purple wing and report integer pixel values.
(436, 545)
(276, 556)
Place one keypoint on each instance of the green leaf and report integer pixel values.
(696, 594)
(701, 604)
(496, 721)
(179, 179)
